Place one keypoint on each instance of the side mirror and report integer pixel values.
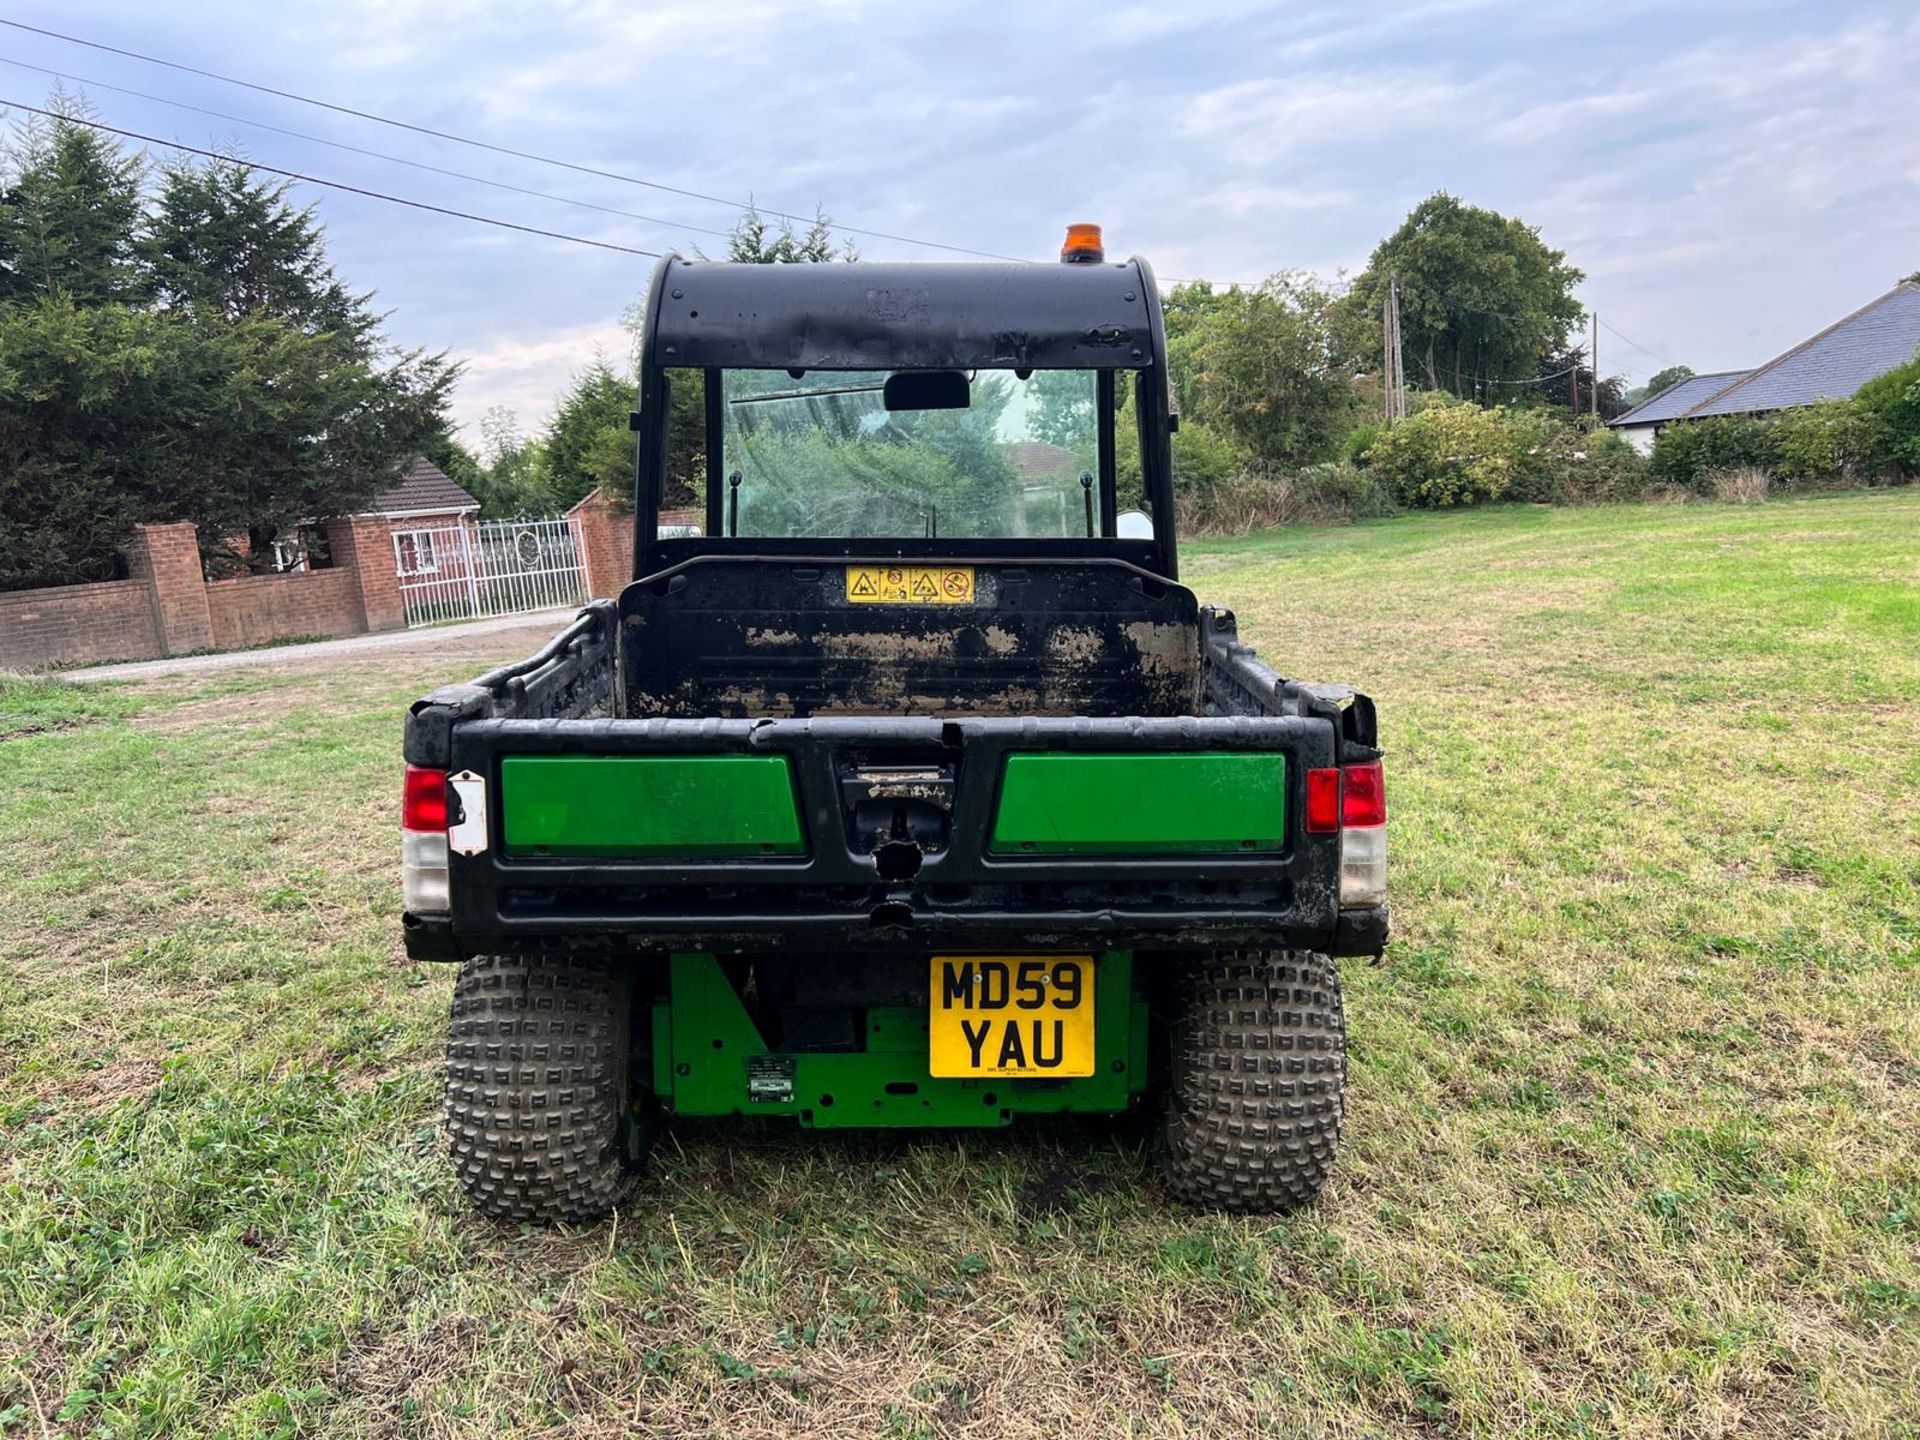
(928, 390)
(1134, 525)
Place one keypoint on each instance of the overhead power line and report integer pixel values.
(487, 144)
(330, 184)
(1643, 349)
(1535, 379)
(359, 150)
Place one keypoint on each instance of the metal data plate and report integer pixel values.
(1029, 1016)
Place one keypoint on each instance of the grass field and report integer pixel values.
(1634, 1134)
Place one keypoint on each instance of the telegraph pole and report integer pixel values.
(1596, 365)
(1393, 373)
(1386, 356)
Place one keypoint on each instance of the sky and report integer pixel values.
(1731, 175)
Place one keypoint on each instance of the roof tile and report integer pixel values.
(1678, 397)
(1831, 365)
(424, 489)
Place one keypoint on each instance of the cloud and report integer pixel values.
(1693, 159)
(528, 373)
(1257, 122)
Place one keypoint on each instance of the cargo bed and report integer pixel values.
(741, 835)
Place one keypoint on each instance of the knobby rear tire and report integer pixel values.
(540, 1107)
(1255, 1094)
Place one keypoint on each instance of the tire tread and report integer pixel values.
(537, 1088)
(1256, 1095)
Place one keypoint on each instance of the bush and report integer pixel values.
(1203, 457)
(1739, 485)
(1831, 442)
(1333, 493)
(1684, 454)
(1892, 404)
(1361, 441)
(1449, 455)
(1338, 491)
(1577, 465)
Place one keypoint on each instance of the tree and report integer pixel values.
(1564, 378)
(589, 444)
(753, 242)
(225, 243)
(512, 481)
(69, 223)
(1264, 367)
(342, 414)
(1187, 309)
(89, 438)
(1668, 378)
(201, 362)
(1482, 297)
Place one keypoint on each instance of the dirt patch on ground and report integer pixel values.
(203, 714)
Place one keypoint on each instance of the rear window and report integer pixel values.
(821, 455)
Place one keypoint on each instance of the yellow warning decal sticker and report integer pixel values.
(910, 584)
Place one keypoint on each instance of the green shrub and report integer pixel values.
(1260, 498)
(1354, 452)
(1338, 490)
(1567, 464)
(1893, 403)
(1449, 455)
(1684, 452)
(1203, 457)
(1829, 442)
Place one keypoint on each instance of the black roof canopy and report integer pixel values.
(869, 316)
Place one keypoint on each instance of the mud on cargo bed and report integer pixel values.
(756, 636)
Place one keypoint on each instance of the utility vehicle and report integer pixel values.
(916, 790)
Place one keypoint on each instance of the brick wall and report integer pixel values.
(606, 541)
(167, 557)
(597, 529)
(77, 624)
(263, 608)
(362, 545)
(167, 607)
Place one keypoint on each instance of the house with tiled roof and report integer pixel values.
(1831, 365)
(1639, 425)
(427, 513)
(426, 495)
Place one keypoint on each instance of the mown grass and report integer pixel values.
(1634, 1141)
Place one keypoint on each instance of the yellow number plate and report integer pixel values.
(910, 584)
(1028, 1015)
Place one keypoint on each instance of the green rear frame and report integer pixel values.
(704, 1041)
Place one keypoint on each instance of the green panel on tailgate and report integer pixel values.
(652, 805)
(1207, 800)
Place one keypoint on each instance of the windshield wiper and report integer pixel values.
(806, 394)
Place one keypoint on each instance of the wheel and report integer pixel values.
(543, 1119)
(1257, 1067)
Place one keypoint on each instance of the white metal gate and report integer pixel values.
(495, 567)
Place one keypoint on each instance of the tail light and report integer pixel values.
(423, 843)
(1352, 801)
